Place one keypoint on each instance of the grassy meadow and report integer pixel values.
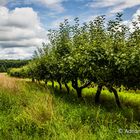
(31, 111)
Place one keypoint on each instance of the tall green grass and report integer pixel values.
(29, 111)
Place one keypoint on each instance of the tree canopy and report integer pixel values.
(104, 53)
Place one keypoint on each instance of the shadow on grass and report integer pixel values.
(107, 103)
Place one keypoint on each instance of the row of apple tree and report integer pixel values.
(104, 53)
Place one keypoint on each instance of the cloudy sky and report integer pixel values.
(24, 23)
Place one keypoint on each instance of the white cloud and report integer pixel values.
(16, 53)
(124, 5)
(55, 24)
(103, 3)
(19, 28)
(116, 5)
(134, 18)
(53, 4)
(3, 2)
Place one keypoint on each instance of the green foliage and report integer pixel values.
(106, 54)
(7, 64)
(20, 72)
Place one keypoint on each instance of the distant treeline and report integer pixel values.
(7, 64)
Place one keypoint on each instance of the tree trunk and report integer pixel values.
(46, 82)
(79, 92)
(33, 79)
(52, 84)
(116, 96)
(97, 96)
(68, 90)
(75, 86)
(60, 85)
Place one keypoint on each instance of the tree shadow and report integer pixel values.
(106, 103)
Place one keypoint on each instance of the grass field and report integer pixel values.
(29, 111)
